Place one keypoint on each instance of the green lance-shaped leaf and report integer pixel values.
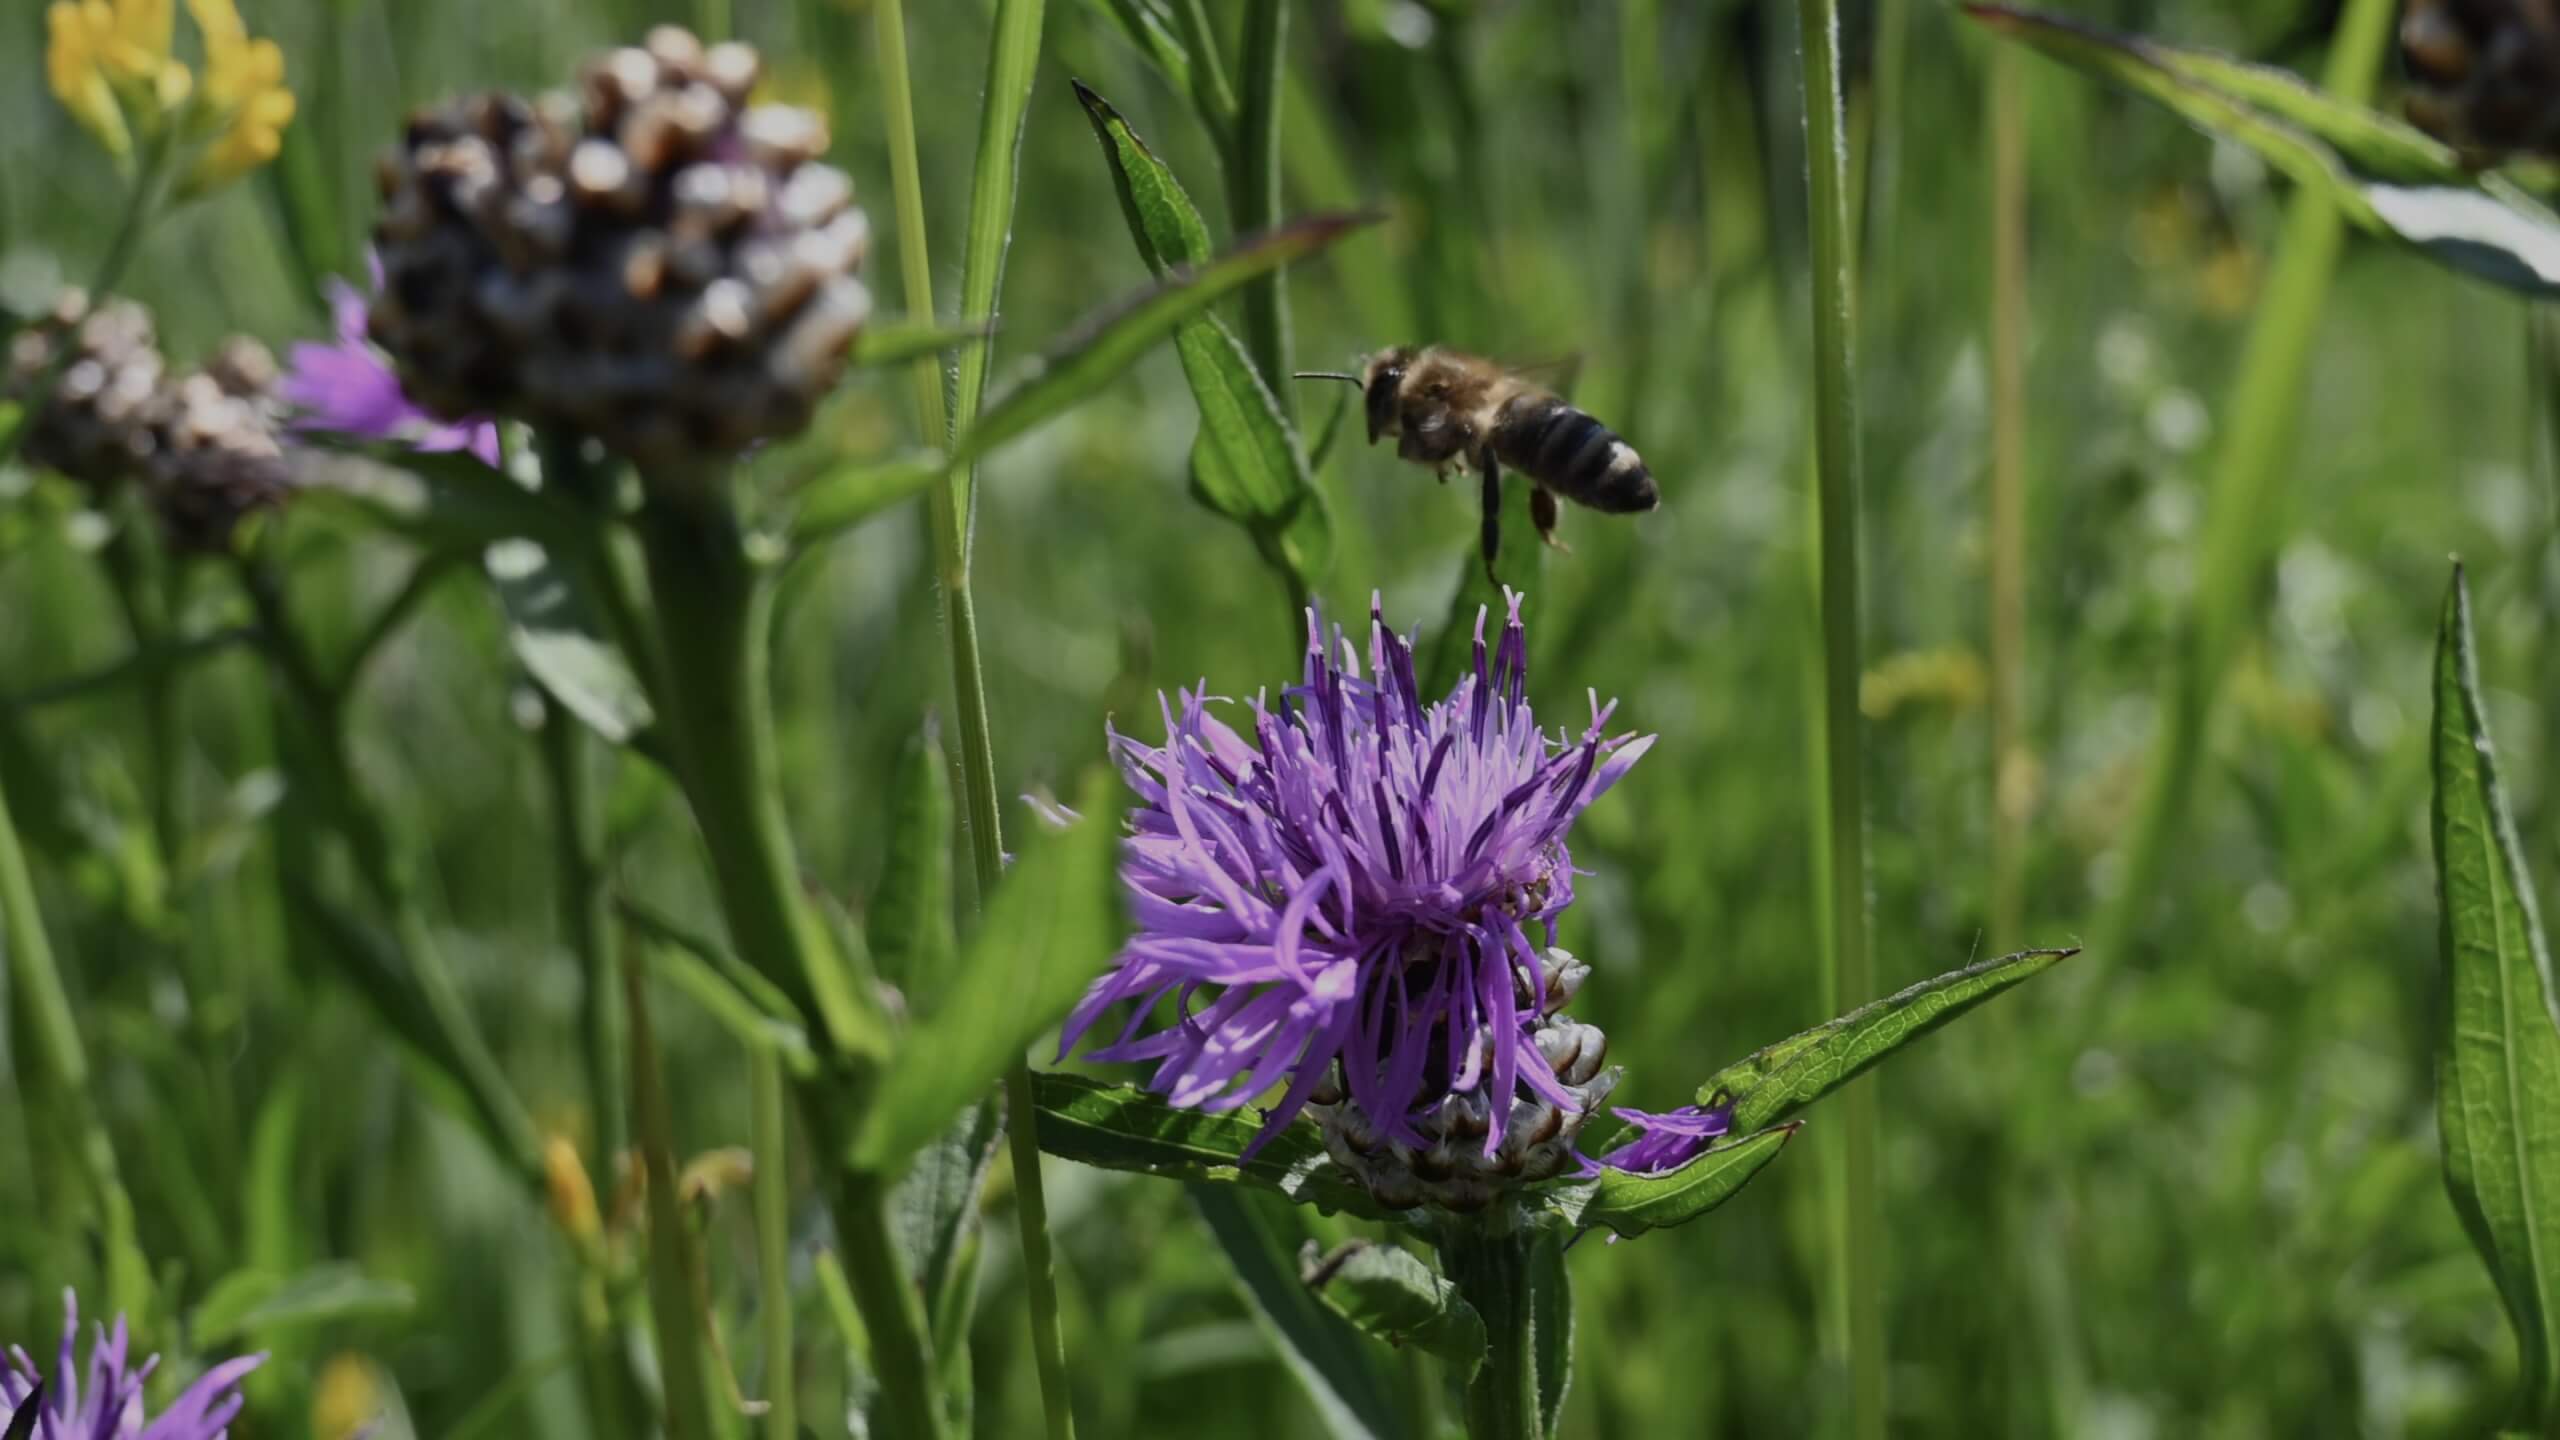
(1105, 345)
(556, 635)
(258, 1302)
(911, 935)
(1391, 1293)
(1632, 1204)
(1247, 463)
(842, 496)
(1262, 1239)
(2384, 176)
(1780, 1079)
(1053, 925)
(2498, 1057)
(1121, 1127)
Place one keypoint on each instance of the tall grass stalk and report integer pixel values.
(1254, 184)
(2012, 773)
(2242, 532)
(1857, 1221)
(1012, 60)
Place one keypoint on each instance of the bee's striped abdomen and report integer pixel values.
(1572, 454)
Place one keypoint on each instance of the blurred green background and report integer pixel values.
(2186, 1188)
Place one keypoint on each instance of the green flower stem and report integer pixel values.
(1837, 458)
(949, 508)
(51, 1038)
(773, 1244)
(711, 601)
(2241, 528)
(687, 1392)
(1491, 1272)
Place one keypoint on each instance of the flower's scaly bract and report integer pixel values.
(104, 1401)
(1369, 880)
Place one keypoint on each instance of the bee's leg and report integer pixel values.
(1542, 511)
(1492, 534)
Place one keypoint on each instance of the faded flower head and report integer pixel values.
(104, 1400)
(349, 387)
(200, 445)
(1359, 901)
(653, 262)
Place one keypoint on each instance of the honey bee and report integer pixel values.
(1453, 411)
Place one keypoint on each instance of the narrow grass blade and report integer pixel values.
(1262, 1239)
(681, 1350)
(1104, 346)
(1778, 1080)
(1053, 925)
(1149, 30)
(249, 1303)
(2498, 1056)
(773, 1243)
(1013, 60)
(2384, 176)
(1632, 1204)
(1121, 1127)
(1390, 1293)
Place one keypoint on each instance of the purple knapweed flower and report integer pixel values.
(1671, 1138)
(1359, 882)
(350, 388)
(105, 1403)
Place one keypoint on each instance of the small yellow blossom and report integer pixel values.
(72, 65)
(244, 92)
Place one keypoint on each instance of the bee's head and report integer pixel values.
(1379, 382)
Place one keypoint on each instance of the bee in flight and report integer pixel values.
(1450, 411)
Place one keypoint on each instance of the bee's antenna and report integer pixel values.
(1329, 375)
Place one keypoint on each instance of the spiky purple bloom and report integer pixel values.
(350, 388)
(1358, 883)
(1671, 1138)
(105, 1403)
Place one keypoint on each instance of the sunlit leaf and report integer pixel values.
(2385, 176)
(897, 340)
(1632, 1204)
(1247, 464)
(1779, 1079)
(1052, 925)
(1393, 1294)
(2498, 1055)
(555, 633)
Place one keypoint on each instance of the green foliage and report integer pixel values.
(1777, 1080)
(1262, 1239)
(1632, 1204)
(2385, 176)
(1051, 928)
(1120, 1127)
(2498, 1063)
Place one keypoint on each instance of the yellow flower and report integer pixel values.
(110, 65)
(71, 66)
(244, 93)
